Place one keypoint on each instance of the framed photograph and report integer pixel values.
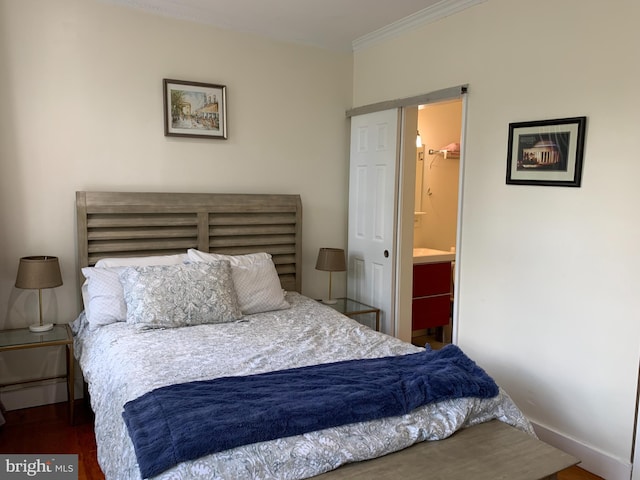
(546, 152)
(193, 109)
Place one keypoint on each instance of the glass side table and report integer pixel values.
(23, 338)
(360, 312)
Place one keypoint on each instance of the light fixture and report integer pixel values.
(418, 140)
(331, 260)
(39, 272)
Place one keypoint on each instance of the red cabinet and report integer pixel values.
(431, 295)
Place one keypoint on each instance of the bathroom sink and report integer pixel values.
(431, 255)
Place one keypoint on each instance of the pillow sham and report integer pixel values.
(235, 260)
(170, 296)
(104, 298)
(255, 279)
(142, 261)
(102, 292)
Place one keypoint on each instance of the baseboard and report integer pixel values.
(15, 398)
(592, 459)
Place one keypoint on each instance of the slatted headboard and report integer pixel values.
(125, 224)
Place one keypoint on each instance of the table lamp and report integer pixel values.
(331, 260)
(39, 272)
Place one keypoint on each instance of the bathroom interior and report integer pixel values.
(435, 221)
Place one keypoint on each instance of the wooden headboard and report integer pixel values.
(125, 224)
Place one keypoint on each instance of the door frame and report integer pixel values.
(406, 199)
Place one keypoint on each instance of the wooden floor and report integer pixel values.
(46, 430)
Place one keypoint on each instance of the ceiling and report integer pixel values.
(330, 24)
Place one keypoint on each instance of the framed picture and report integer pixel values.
(193, 109)
(546, 152)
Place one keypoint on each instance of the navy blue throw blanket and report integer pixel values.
(186, 421)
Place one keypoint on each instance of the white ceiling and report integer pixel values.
(330, 24)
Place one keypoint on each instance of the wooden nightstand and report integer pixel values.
(360, 312)
(23, 338)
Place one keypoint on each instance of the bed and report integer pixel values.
(231, 334)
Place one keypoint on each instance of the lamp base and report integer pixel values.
(41, 328)
(329, 301)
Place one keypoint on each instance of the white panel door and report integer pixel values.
(372, 212)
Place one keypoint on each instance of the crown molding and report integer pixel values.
(430, 14)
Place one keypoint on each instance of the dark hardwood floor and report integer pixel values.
(46, 430)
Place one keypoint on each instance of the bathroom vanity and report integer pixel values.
(431, 305)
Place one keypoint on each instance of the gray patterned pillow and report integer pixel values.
(168, 296)
(255, 278)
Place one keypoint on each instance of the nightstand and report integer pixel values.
(360, 312)
(23, 338)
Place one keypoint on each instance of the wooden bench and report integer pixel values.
(489, 451)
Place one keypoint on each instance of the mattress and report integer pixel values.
(121, 363)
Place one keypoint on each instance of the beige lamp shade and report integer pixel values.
(331, 260)
(38, 273)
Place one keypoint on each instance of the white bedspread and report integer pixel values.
(120, 364)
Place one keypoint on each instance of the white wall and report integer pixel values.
(548, 284)
(81, 102)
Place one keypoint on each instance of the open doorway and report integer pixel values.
(398, 298)
(436, 221)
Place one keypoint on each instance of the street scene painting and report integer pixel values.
(546, 152)
(194, 109)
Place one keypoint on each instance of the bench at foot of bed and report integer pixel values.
(488, 451)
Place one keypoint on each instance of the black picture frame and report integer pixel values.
(194, 109)
(546, 152)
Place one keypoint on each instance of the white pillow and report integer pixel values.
(255, 278)
(169, 296)
(235, 260)
(102, 292)
(142, 261)
(104, 303)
